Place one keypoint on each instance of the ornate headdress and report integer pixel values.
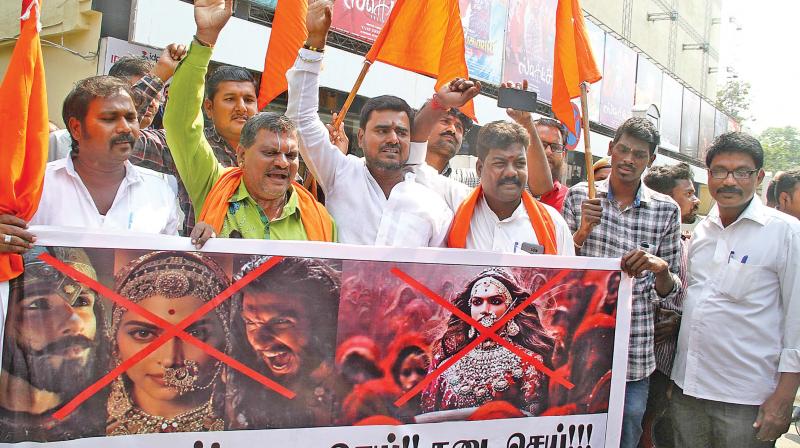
(38, 271)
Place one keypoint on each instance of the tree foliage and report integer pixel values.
(734, 100)
(781, 148)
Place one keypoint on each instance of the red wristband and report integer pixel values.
(436, 105)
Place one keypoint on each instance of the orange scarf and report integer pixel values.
(316, 220)
(541, 221)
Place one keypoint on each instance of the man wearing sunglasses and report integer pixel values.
(553, 135)
(737, 365)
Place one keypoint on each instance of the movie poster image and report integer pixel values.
(484, 23)
(529, 45)
(362, 19)
(597, 39)
(707, 124)
(102, 342)
(616, 99)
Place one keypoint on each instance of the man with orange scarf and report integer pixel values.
(259, 198)
(498, 215)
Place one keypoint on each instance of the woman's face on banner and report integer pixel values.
(135, 333)
(490, 300)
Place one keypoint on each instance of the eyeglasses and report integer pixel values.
(741, 174)
(555, 148)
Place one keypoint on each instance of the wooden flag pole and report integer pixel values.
(349, 101)
(587, 147)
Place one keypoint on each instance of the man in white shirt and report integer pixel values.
(372, 199)
(500, 218)
(737, 365)
(96, 187)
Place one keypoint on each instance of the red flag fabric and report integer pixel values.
(574, 61)
(287, 36)
(425, 37)
(23, 130)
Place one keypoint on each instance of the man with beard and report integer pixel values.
(677, 182)
(553, 135)
(630, 221)
(96, 187)
(287, 316)
(737, 364)
(50, 351)
(445, 141)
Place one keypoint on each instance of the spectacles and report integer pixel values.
(555, 148)
(741, 174)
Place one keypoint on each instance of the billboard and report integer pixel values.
(362, 19)
(648, 82)
(690, 124)
(671, 113)
(529, 45)
(484, 23)
(115, 341)
(597, 39)
(619, 81)
(707, 125)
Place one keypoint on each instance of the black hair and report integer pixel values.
(76, 104)
(732, 142)
(549, 122)
(385, 102)
(787, 182)
(466, 122)
(663, 179)
(227, 73)
(640, 128)
(129, 66)
(499, 135)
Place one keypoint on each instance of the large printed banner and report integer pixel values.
(484, 23)
(529, 45)
(121, 341)
(362, 19)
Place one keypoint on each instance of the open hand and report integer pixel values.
(210, 16)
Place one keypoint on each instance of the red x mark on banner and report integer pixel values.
(486, 333)
(170, 331)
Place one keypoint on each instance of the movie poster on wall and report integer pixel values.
(529, 45)
(126, 342)
(616, 99)
(597, 39)
(362, 19)
(690, 123)
(671, 113)
(484, 23)
(707, 124)
(648, 82)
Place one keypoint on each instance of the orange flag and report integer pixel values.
(287, 36)
(23, 130)
(574, 61)
(425, 37)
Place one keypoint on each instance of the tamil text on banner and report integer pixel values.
(529, 45)
(120, 341)
(484, 24)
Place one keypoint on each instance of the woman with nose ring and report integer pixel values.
(177, 388)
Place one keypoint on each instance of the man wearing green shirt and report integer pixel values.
(259, 199)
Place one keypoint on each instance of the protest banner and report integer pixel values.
(120, 341)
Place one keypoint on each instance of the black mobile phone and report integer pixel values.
(508, 98)
(532, 248)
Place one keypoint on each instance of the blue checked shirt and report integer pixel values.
(653, 218)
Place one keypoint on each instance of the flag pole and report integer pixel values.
(349, 101)
(587, 147)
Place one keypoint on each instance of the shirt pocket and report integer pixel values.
(737, 281)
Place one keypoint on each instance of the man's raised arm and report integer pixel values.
(320, 155)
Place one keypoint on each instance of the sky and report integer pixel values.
(764, 52)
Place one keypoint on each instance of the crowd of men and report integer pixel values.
(715, 330)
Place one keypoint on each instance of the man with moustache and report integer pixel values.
(374, 201)
(737, 365)
(629, 220)
(553, 135)
(96, 187)
(287, 318)
(677, 182)
(445, 141)
(50, 352)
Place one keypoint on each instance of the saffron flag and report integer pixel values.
(287, 36)
(574, 61)
(23, 130)
(425, 37)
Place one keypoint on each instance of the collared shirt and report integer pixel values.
(196, 160)
(654, 219)
(555, 197)
(486, 230)
(412, 215)
(665, 350)
(741, 316)
(466, 176)
(144, 202)
(151, 150)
